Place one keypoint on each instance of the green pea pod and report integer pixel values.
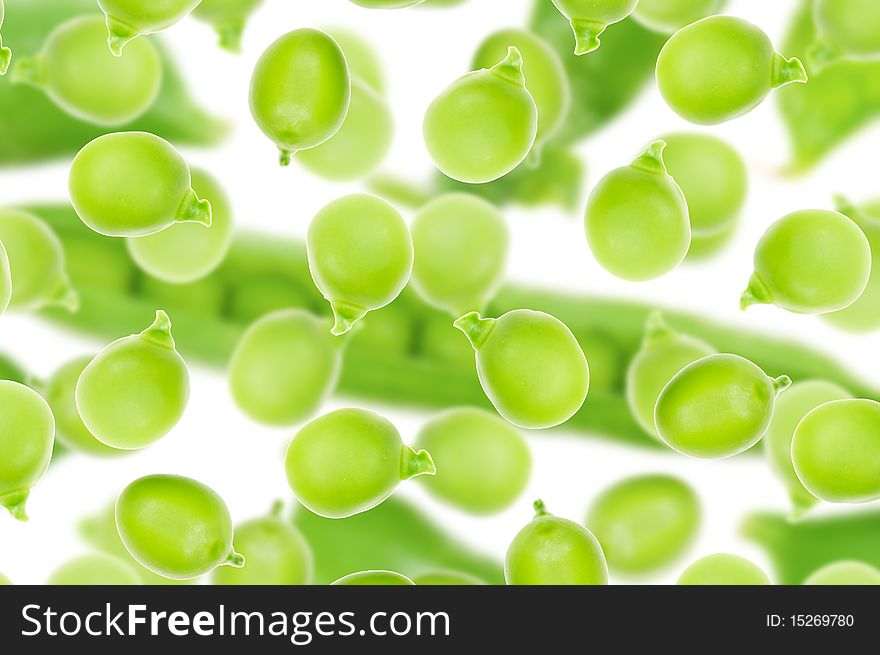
(35, 129)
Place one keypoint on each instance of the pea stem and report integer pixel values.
(413, 464)
(277, 509)
(510, 68)
(586, 35)
(194, 210)
(651, 160)
(235, 560)
(781, 383)
(230, 33)
(15, 502)
(540, 508)
(285, 156)
(345, 315)
(755, 294)
(656, 327)
(786, 71)
(119, 33)
(64, 296)
(27, 70)
(822, 54)
(159, 332)
(476, 328)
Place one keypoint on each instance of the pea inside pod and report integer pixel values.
(129, 19)
(228, 18)
(5, 53)
(846, 29)
(723, 569)
(374, 578)
(589, 18)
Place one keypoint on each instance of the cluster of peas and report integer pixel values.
(319, 96)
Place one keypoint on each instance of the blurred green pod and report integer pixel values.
(589, 18)
(96, 569)
(228, 18)
(129, 19)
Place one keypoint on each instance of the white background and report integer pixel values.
(423, 51)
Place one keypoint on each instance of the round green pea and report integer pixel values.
(135, 390)
(836, 451)
(186, 252)
(810, 262)
(300, 91)
(720, 68)
(554, 551)
(130, 184)
(717, 406)
(645, 522)
(360, 256)
(530, 366)
(129, 19)
(360, 55)
(175, 526)
(485, 462)
(845, 29)
(446, 579)
(80, 76)
(845, 573)
(484, 124)
(5, 53)
(723, 569)
(5, 280)
(589, 18)
(668, 16)
(228, 18)
(97, 569)
(637, 220)
(27, 434)
(374, 578)
(349, 461)
(264, 384)
(460, 244)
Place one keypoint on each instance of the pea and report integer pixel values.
(96, 569)
(80, 76)
(130, 184)
(5, 280)
(361, 57)
(265, 386)
(668, 16)
(374, 578)
(387, 4)
(135, 390)
(276, 553)
(717, 406)
(129, 19)
(723, 569)
(703, 248)
(810, 262)
(461, 244)
(485, 462)
(300, 91)
(530, 365)
(5, 53)
(484, 124)
(720, 68)
(645, 522)
(845, 573)
(589, 18)
(836, 451)
(186, 252)
(36, 275)
(446, 579)
(636, 219)
(349, 461)
(27, 434)
(554, 551)
(664, 353)
(791, 407)
(228, 18)
(360, 256)
(846, 29)
(175, 526)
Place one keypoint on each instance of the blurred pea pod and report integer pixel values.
(35, 129)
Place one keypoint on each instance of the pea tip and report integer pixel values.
(159, 331)
(230, 34)
(285, 156)
(511, 67)
(65, 296)
(586, 35)
(755, 294)
(5, 58)
(651, 160)
(787, 71)
(15, 502)
(194, 210)
(414, 464)
(119, 33)
(476, 328)
(540, 508)
(235, 560)
(345, 316)
(780, 383)
(656, 326)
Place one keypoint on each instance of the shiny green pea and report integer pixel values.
(300, 91)
(636, 219)
(131, 184)
(5, 53)
(136, 389)
(360, 55)
(97, 569)
(717, 406)
(668, 16)
(175, 526)
(446, 579)
(374, 578)
(129, 19)
(845, 573)
(554, 551)
(723, 569)
(360, 256)
(27, 434)
(484, 124)
(228, 18)
(846, 29)
(810, 262)
(720, 68)
(5, 280)
(530, 366)
(589, 18)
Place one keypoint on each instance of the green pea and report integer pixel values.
(791, 407)
(720, 68)
(186, 252)
(360, 145)
(374, 578)
(530, 366)
(360, 256)
(836, 451)
(276, 553)
(668, 16)
(27, 434)
(664, 353)
(349, 461)
(175, 526)
(723, 569)
(717, 406)
(461, 244)
(387, 4)
(80, 76)
(130, 184)
(484, 124)
(36, 276)
(846, 29)
(228, 18)
(300, 91)
(845, 573)
(810, 262)
(446, 579)
(97, 569)
(265, 386)
(5, 280)
(554, 551)
(361, 57)
(645, 522)
(5, 53)
(136, 389)
(589, 18)
(129, 19)
(636, 219)
(485, 463)
(703, 248)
